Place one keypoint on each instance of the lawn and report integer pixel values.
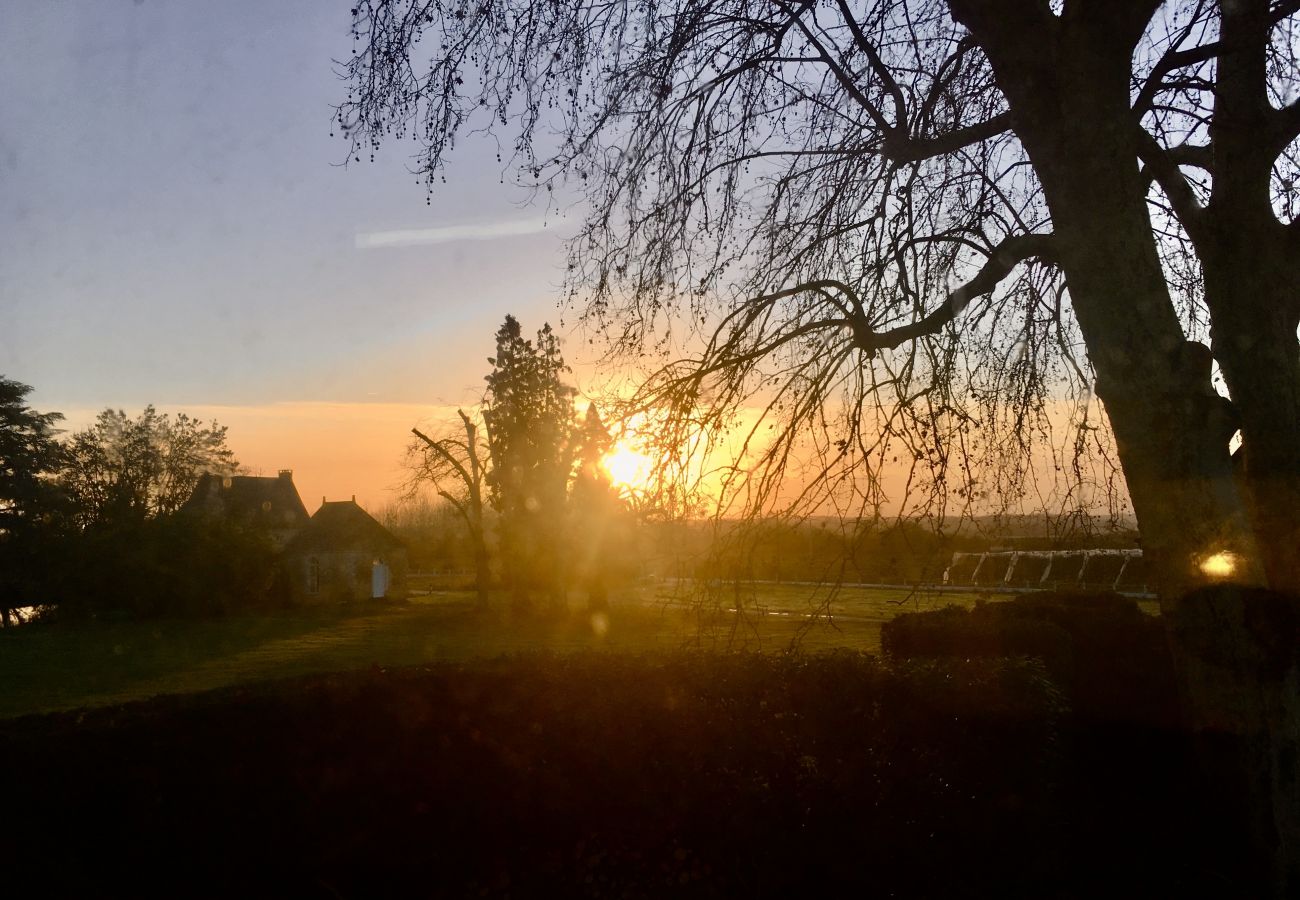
(65, 666)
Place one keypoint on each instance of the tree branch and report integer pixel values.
(1170, 62)
(838, 71)
(903, 149)
(442, 451)
(1175, 59)
(878, 66)
(1200, 156)
(1161, 166)
(1005, 256)
(1284, 126)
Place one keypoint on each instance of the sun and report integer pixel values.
(627, 467)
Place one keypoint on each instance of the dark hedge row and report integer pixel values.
(1110, 658)
(701, 775)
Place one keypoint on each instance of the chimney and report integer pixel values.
(286, 474)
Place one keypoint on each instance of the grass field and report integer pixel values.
(65, 666)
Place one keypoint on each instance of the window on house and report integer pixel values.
(313, 576)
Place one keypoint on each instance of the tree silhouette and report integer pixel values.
(30, 456)
(123, 470)
(529, 415)
(456, 466)
(594, 510)
(901, 224)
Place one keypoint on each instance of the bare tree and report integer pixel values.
(904, 220)
(455, 466)
(1218, 96)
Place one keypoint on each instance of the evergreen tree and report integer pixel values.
(29, 456)
(529, 418)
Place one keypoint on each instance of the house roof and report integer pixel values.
(249, 500)
(343, 525)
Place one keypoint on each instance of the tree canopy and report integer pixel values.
(122, 470)
(917, 229)
(30, 457)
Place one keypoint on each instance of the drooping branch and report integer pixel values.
(859, 152)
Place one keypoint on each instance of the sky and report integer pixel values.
(176, 228)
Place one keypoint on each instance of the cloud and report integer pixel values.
(415, 237)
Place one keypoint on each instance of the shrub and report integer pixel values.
(172, 565)
(1110, 659)
(586, 775)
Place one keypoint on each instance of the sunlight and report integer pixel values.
(627, 467)
(1219, 565)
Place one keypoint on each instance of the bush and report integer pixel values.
(1110, 659)
(173, 565)
(587, 775)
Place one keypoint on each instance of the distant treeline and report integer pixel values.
(762, 550)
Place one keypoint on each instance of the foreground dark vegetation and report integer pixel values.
(925, 773)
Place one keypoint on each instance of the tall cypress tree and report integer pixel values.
(529, 417)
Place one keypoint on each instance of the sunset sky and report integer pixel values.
(177, 229)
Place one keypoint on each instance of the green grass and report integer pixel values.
(45, 667)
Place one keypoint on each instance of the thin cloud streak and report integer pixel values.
(423, 237)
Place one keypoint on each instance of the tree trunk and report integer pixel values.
(1252, 287)
(1067, 82)
(1255, 344)
(482, 574)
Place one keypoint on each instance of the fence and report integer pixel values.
(1117, 570)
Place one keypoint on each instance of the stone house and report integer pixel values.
(344, 554)
(269, 505)
(340, 553)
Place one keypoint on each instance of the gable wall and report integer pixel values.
(342, 575)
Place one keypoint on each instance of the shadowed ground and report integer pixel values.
(70, 665)
(703, 774)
